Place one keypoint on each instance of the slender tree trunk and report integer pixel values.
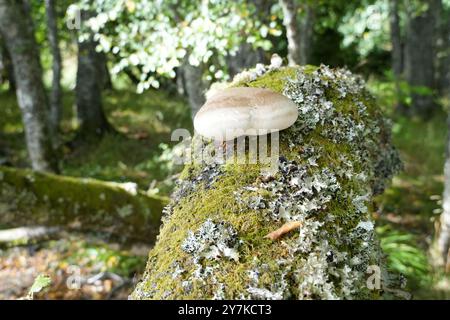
(397, 48)
(53, 39)
(444, 235)
(306, 33)
(194, 86)
(292, 30)
(299, 30)
(89, 84)
(15, 27)
(420, 56)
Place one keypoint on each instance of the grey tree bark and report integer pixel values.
(15, 28)
(306, 33)
(89, 83)
(292, 32)
(420, 56)
(299, 32)
(194, 86)
(397, 46)
(53, 39)
(444, 235)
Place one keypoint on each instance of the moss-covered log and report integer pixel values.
(213, 242)
(33, 198)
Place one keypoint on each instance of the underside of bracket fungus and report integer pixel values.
(214, 241)
(233, 112)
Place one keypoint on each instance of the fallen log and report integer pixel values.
(214, 240)
(26, 235)
(29, 198)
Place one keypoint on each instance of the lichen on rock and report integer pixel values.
(332, 161)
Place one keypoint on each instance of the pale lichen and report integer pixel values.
(211, 241)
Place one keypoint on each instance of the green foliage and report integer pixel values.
(403, 255)
(367, 26)
(422, 144)
(40, 283)
(155, 37)
(388, 95)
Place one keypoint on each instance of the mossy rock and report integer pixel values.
(114, 209)
(337, 155)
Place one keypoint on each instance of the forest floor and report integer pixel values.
(87, 268)
(82, 268)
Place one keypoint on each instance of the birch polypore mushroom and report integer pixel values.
(235, 112)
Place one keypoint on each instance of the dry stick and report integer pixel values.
(285, 228)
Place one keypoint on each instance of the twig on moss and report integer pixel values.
(285, 228)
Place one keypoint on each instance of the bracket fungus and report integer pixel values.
(235, 112)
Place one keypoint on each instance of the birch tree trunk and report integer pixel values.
(53, 39)
(292, 30)
(15, 26)
(299, 30)
(444, 234)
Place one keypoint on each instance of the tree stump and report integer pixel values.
(213, 243)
